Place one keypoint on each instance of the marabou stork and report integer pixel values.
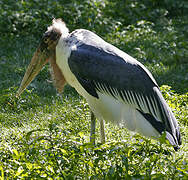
(117, 87)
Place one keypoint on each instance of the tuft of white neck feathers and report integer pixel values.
(60, 26)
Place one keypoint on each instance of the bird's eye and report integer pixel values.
(46, 39)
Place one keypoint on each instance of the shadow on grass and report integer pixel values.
(175, 76)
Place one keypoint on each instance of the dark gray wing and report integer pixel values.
(98, 67)
(93, 64)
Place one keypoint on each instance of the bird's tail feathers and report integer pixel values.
(172, 128)
(172, 140)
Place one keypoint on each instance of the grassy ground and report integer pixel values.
(45, 135)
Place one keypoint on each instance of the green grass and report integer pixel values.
(45, 135)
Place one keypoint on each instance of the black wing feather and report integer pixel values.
(97, 65)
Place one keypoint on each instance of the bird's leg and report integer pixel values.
(92, 133)
(102, 132)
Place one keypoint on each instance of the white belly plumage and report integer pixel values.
(121, 114)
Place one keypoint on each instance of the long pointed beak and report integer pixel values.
(39, 59)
